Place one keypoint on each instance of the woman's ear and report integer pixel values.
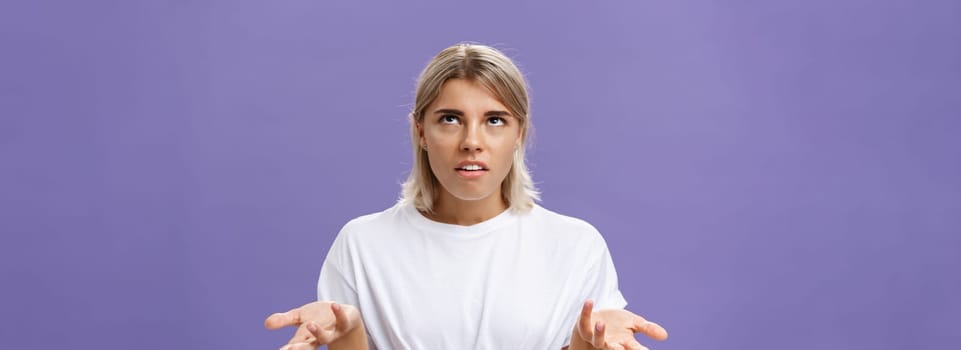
(420, 135)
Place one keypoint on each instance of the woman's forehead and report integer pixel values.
(467, 96)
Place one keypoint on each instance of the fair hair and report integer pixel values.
(498, 74)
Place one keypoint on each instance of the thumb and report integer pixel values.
(285, 319)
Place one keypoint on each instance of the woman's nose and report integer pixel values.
(472, 140)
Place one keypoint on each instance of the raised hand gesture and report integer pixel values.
(613, 329)
(322, 323)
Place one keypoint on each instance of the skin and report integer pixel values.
(465, 122)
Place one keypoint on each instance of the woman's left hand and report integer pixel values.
(614, 329)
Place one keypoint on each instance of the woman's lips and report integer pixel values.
(471, 174)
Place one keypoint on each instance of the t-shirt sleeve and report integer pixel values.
(337, 282)
(605, 292)
(601, 283)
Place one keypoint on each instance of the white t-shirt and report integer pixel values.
(515, 281)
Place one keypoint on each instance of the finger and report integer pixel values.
(300, 346)
(342, 323)
(600, 331)
(321, 336)
(284, 319)
(633, 345)
(613, 346)
(584, 321)
(315, 331)
(302, 335)
(306, 346)
(650, 329)
(313, 328)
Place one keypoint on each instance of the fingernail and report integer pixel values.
(599, 327)
(312, 327)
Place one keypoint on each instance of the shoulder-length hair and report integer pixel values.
(493, 70)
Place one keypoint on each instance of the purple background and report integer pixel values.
(768, 174)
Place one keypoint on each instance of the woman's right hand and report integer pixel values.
(318, 323)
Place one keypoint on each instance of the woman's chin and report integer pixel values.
(472, 195)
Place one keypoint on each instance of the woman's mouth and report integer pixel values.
(471, 171)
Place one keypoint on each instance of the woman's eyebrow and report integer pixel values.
(458, 112)
(449, 111)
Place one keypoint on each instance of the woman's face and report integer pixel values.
(470, 139)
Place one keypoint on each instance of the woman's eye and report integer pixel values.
(449, 119)
(496, 121)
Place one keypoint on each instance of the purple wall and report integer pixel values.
(769, 175)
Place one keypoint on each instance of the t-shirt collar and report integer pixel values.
(474, 230)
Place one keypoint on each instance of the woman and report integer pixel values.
(466, 259)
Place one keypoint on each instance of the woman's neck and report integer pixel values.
(452, 210)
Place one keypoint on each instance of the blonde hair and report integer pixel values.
(493, 70)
